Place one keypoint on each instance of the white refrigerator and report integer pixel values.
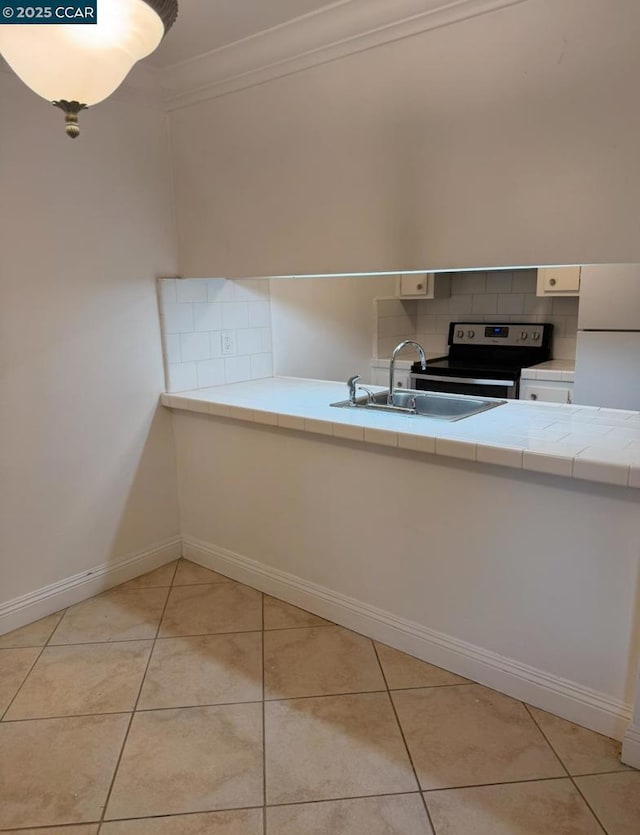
(608, 349)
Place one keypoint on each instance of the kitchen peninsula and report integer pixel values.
(503, 547)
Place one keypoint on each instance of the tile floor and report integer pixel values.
(183, 703)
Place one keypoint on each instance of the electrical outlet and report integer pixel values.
(228, 343)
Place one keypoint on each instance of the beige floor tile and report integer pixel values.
(319, 662)
(57, 771)
(159, 577)
(468, 735)
(33, 635)
(14, 666)
(401, 814)
(80, 829)
(240, 822)
(83, 679)
(333, 747)
(547, 807)
(615, 798)
(281, 615)
(190, 574)
(190, 760)
(116, 615)
(206, 670)
(581, 751)
(203, 610)
(402, 670)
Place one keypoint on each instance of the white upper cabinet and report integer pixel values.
(424, 286)
(559, 281)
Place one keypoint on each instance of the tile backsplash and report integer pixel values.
(499, 296)
(215, 331)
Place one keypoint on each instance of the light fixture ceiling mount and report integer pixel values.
(75, 66)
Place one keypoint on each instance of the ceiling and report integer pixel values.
(204, 25)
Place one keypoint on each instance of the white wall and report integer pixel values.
(539, 570)
(87, 464)
(507, 139)
(324, 328)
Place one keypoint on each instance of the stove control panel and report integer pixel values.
(490, 333)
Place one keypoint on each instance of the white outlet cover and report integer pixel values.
(229, 343)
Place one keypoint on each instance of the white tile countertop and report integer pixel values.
(560, 371)
(581, 442)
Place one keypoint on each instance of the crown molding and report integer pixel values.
(344, 28)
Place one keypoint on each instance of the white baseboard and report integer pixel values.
(577, 703)
(45, 601)
(631, 746)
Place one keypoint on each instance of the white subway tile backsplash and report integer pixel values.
(566, 306)
(468, 283)
(499, 282)
(207, 316)
(167, 290)
(194, 346)
(220, 290)
(485, 303)
(524, 281)
(495, 296)
(172, 347)
(211, 373)
(397, 326)
(534, 304)
(259, 314)
(182, 376)
(235, 315)
(511, 303)
(265, 341)
(178, 318)
(191, 290)
(195, 314)
(261, 366)
(215, 342)
(237, 369)
(248, 341)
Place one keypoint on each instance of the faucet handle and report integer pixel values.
(353, 380)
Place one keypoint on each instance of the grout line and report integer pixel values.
(570, 776)
(264, 732)
(404, 739)
(133, 713)
(31, 668)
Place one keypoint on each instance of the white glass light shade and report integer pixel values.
(82, 63)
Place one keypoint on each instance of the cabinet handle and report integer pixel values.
(552, 282)
(419, 286)
(398, 385)
(533, 396)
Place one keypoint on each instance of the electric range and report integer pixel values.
(485, 358)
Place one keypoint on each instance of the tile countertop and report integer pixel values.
(561, 371)
(579, 442)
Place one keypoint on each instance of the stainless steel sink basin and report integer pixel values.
(423, 403)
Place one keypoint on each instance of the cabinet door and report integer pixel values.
(546, 392)
(424, 286)
(414, 285)
(559, 281)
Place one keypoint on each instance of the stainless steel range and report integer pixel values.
(485, 359)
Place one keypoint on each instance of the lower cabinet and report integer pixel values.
(550, 392)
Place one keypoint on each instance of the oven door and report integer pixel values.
(503, 389)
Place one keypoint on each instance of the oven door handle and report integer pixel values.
(469, 380)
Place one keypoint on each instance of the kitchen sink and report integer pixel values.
(422, 403)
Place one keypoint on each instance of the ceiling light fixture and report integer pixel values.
(76, 65)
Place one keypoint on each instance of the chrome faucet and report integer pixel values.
(392, 363)
(351, 382)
